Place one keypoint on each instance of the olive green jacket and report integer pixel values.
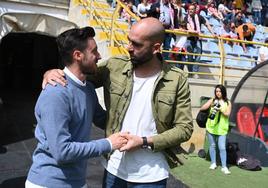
(171, 103)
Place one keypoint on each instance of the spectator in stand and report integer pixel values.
(246, 32)
(198, 7)
(228, 31)
(180, 45)
(233, 33)
(224, 10)
(263, 52)
(238, 19)
(224, 31)
(264, 12)
(167, 19)
(256, 11)
(178, 13)
(194, 45)
(154, 10)
(126, 16)
(248, 10)
(142, 8)
(212, 11)
(234, 9)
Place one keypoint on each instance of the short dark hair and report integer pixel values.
(225, 22)
(238, 12)
(71, 40)
(245, 28)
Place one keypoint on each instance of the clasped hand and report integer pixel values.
(124, 141)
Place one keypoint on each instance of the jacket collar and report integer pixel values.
(165, 69)
(128, 70)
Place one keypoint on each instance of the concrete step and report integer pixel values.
(100, 13)
(95, 4)
(103, 35)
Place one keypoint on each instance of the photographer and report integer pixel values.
(217, 125)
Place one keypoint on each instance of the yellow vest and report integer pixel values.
(218, 126)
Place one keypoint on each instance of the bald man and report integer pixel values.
(147, 98)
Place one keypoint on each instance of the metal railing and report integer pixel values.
(220, 40)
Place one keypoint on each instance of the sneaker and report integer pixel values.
(225, 170)
(213, 166)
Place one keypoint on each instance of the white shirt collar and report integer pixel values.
(73, 77)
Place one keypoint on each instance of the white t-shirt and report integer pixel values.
(181, 41)
(141, 165)
(264, 51)
(142, 9)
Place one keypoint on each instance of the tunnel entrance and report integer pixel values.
(24, 57)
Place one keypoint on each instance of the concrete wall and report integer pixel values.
(59, 10)
(74, 15)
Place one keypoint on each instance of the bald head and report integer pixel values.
(149, 28)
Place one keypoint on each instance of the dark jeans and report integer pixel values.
(194, 46)
(257, 17)
(180, 57)
(166, 45)
(111, 181)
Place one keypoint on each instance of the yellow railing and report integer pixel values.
(120, 6)
(222, 56)
(95, 15)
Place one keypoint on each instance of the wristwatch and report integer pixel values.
(144, 142)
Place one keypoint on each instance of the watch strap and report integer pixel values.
(144, 142)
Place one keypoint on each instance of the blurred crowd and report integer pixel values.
(237, 19)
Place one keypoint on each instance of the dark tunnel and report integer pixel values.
(24, 57)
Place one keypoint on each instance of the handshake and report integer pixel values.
(123, 141)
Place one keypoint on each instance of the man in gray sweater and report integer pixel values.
(64, 117)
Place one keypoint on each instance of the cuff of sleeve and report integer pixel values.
(111, 145)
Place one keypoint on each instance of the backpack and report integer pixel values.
(233, 152)
(248, 162)
(201, 118)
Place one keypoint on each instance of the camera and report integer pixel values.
(214, 111)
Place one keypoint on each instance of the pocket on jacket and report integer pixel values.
(116, 91)
(165, 107)
(116, 87)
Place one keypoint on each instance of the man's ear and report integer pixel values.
(77, 55)
(157, 48)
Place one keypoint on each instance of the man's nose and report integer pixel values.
(130, 47)
(99, 56)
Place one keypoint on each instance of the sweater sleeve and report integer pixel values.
(54, 114)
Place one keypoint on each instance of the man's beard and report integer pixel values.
(141, 60)
(87, 70)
